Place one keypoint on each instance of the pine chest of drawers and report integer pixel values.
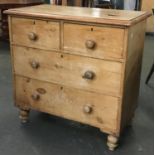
(78, 63)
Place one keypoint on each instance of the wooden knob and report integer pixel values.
(87, 109)
(90, 44)
(89, 75)
(35, 96)
(32, 36)
(34, 64)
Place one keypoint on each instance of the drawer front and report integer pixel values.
(70, 70)
(36, 33)
(93, 41)
(90, 108)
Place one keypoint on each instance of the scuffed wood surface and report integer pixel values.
(69, 69)
(68, 103)
(95, 15)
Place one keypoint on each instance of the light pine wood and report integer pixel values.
(112, 142)
(93, 15)
(56, 74)
(132, 73)
(148, 6)
(69, 70)
(47, 33)
(68, 102)
(108, 45)
(24, 114)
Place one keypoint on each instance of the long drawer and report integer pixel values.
(91, 108)
(94, 41)
(36, 33)
(70, 70)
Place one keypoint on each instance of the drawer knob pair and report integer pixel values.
(32, 36)
(89, 75)
(35, 96)
(90, 44)
(87, 109)
(34, 64)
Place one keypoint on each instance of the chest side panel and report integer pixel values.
(136, 35)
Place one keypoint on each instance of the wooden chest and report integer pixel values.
(82, 64)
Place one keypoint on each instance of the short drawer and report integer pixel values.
(36, 33)
(91, 108)
(94, 41)
(70, 70)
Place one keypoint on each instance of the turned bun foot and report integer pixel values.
(24, 115)
(112, 142)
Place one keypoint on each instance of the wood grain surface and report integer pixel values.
(108, 45)
(94, 15)
(69, 70)
(47, 33)
(68, 102)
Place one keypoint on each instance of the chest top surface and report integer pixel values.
(92, 15)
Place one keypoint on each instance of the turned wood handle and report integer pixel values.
(90, 44)
(87, 109)
(89, 75)
(35, 96)
(32, 36)
(34, 64)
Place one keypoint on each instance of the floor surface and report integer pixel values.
(49, 135)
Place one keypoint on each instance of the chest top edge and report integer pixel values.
(90, 15)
